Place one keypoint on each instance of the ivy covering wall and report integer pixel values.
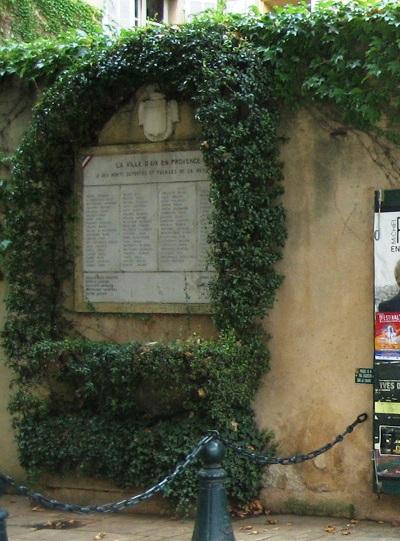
(26, 20)
(78, 405)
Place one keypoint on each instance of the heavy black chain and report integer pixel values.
(297, 459)
(114, 506)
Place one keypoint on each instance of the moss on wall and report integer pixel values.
(322, 509)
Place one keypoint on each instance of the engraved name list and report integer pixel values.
(145, 228)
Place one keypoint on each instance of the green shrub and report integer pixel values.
(130, 412)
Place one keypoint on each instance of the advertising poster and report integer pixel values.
(387, 336)
(387, 285)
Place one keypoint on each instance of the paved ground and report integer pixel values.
(26, 524)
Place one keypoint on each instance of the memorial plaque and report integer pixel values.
(145, 229)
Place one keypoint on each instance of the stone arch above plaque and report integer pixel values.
(142, 240)
(175, 121)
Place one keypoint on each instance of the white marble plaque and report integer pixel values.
(145, 228)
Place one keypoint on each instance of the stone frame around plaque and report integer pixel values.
(80, 303)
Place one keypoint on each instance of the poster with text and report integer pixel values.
(387, 285)
(387, 336)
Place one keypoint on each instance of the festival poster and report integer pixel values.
(387, 336)
(387, 286)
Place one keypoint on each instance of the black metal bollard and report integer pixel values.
(213, 522)
(3, 530)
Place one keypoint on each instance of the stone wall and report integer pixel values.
(321, 326)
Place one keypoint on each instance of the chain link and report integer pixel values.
(155, 489)
(297, 459)
(114, 506)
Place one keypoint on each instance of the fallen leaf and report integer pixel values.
(252, 509)
(330, 529)
(256, 505)
(346, 531)
(243, 528)
(272, 521)
(240, 514)
(100, 535)
(58, 524)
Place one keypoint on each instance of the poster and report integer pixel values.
(387, 336)
(387, 285)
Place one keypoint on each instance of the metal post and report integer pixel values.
(213, 522)
(3, 530)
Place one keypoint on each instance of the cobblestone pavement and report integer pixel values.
(26, 524)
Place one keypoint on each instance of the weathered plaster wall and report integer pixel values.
(322, 323)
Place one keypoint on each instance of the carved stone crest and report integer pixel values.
(157, 116)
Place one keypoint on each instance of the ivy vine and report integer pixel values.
(27, 20)
(237, 72)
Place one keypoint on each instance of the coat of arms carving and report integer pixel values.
(157, 116)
